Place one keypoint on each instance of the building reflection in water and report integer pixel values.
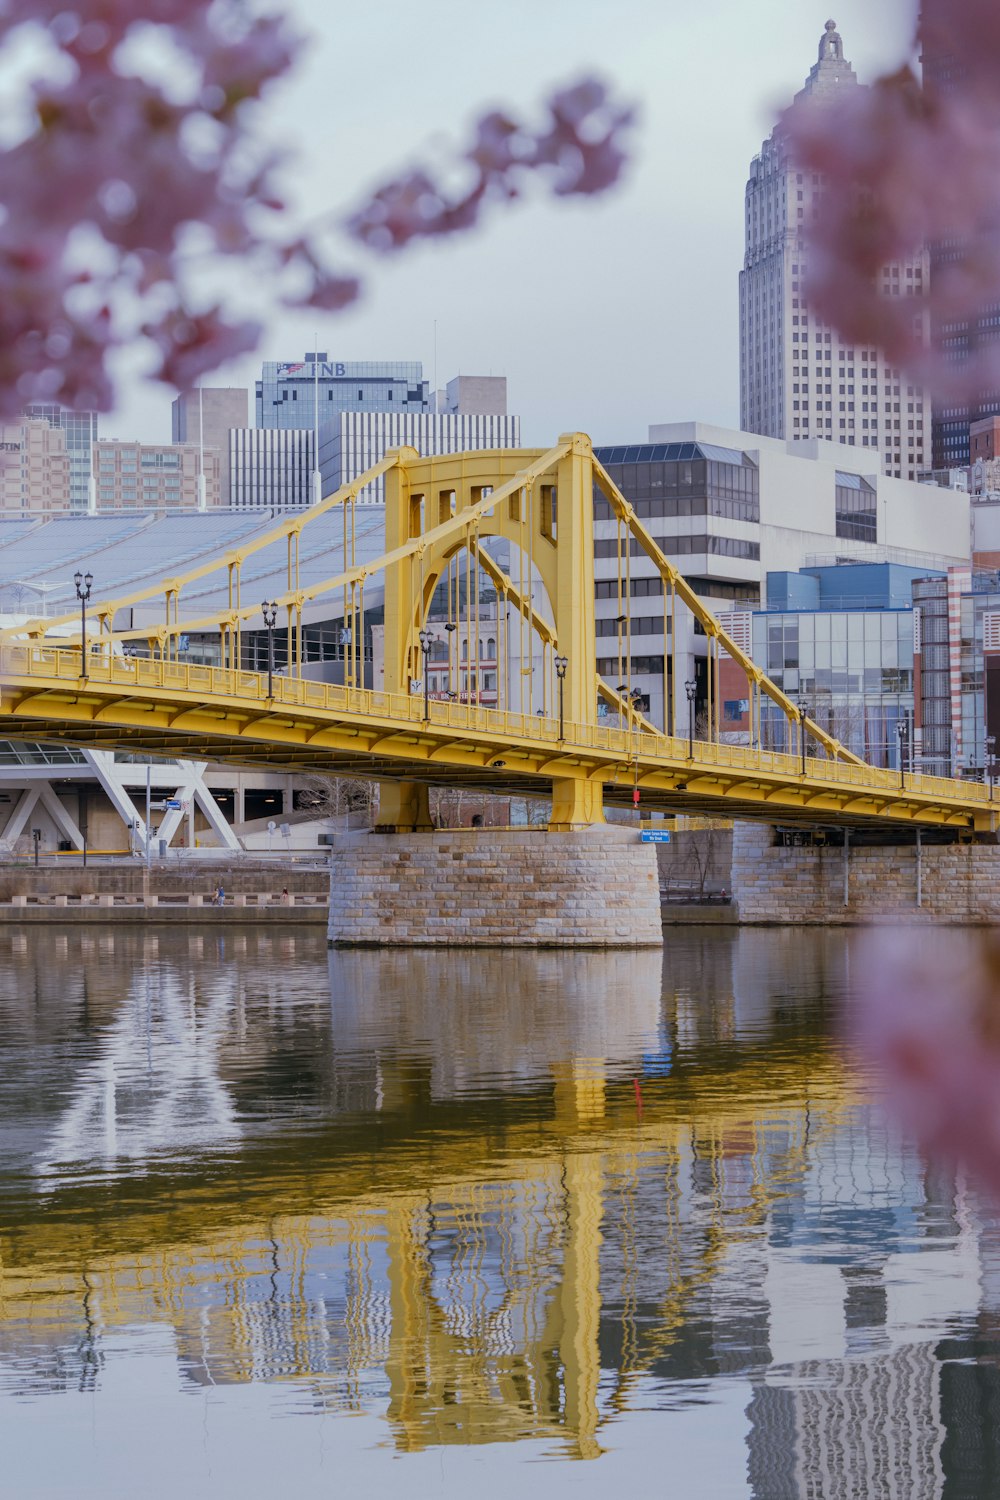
(497, 1196)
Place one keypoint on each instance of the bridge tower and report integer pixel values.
(548, 524)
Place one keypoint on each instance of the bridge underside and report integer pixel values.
(472, 758)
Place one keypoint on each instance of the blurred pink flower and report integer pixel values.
(929, 1017)
(194, 343)
(579, 149)
(908, 164)
(104, 188)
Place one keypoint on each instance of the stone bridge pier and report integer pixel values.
(592, 887)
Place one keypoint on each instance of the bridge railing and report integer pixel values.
(628, 745)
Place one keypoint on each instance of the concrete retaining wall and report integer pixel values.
(477, 888)
(960, 883)
(177, 878)
(137, 915)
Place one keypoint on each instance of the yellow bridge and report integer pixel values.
(587, 747)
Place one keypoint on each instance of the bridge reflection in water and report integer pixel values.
(498, 1196)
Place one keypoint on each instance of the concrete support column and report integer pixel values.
(590, 888)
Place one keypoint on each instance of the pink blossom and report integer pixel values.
(117, 172)
(906, 165)
(929, 1017)
(194, 343)
(578, 150)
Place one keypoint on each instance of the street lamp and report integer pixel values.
(691, 688)
(269, 609)
(901, 732)
(425, 639)
(450, 626)
(991, 761)
(803, 715)
(83, 584)
(561, 664)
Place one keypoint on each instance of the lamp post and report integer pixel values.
(901, 734)
(803, 715)
(991, 761)
(561, 664)
(691, 688)
(451, 627)
(425, 639)
(83, 586)
(269, 609)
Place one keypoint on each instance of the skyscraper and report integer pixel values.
(798, 378)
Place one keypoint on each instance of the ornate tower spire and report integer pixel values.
(831, 71)
(831, 47)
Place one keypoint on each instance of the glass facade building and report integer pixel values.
(852, 670)
(682, 479)
(80, 428)
(979, 675)
(287, 393)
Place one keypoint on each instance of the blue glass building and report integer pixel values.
(287, 392)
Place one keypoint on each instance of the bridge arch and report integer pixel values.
(442, 504)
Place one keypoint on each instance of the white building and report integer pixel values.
(354, 440)
(728, 507)
(798, 378)
(271, 466)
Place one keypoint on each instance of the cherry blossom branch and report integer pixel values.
(138, 162)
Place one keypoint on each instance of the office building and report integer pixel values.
(80, 428)
(352, 441)
(728, 508)
(311, 391)
(360, 410)
(840, 641)
(154, 476)
(34, 470)
(799, 379)
(466, 395)
(271, 466)
(222, 408)
(902, 667)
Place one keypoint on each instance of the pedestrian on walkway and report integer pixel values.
(220, 895)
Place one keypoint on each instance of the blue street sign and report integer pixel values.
(173, 804)
(655, 836)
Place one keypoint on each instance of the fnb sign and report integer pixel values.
(324, 370)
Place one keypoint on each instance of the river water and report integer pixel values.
(278, 1221)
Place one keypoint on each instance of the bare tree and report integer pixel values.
(337, 797)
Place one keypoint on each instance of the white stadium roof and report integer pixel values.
(128, 551)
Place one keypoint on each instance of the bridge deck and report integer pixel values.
(176, 709)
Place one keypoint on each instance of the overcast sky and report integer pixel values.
(604, 314)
